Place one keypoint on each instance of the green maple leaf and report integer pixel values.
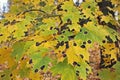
(19, 48)
(83, 70)
(70, 12)
(66, 70)
(117, 70)
(24, 72)
(64, 36)
(91, 32)
(39, 60)
(107, 75)
(5, 75)
(87, 34)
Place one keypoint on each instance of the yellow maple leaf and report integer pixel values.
(111, 49)
(6, 58)
(106, 18)
(73, 53)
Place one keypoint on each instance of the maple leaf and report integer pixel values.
(70, 14)
(19, 48)
(5, 75)
(74, 51)
(6, 54)
(112, 73)
(106, 18)
(39, 61)
(6, 63)
(83, 70)
(66, 70)
(105, 73)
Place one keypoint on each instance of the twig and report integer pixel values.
(33, 10)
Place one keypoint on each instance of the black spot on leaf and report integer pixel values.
(6, 23)
(93, 13)
(30, 61)
(84, 42)
(71, 37)
(11, 75)
(12, 79)
(78, 65)
(100, 22)
(111, 49)
(26, 33)
(51, 28)
(2, 75)
(87, 62)
(59, 7)
(38, 43)
(85, 32)
(23, 3)
(14, 22)
(83, 21)
(64, 55)
(81, 56)
(110, 25)
(63, 52)
(74, 44)
(88, 6)
(89, 41)
(1, 34)
(99, 19)
(82, 46)
(117, 44)
(75, 63)
(36, 70)
(87, 69)
(61, 43)
(57, 46)
(73, 30)
(109, 40)
(42, 3)
(69, 21)
(65, 10)
(42, 67)
(67, 45)
(77, 71)
(103, 41)
(97, 74)
(77, 74)
(80, 30)
(57, 29)
(118, 56)
(64, 26)
(22, 58)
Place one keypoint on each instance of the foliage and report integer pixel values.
(64, 68)
(114, 73)
(37, 33)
